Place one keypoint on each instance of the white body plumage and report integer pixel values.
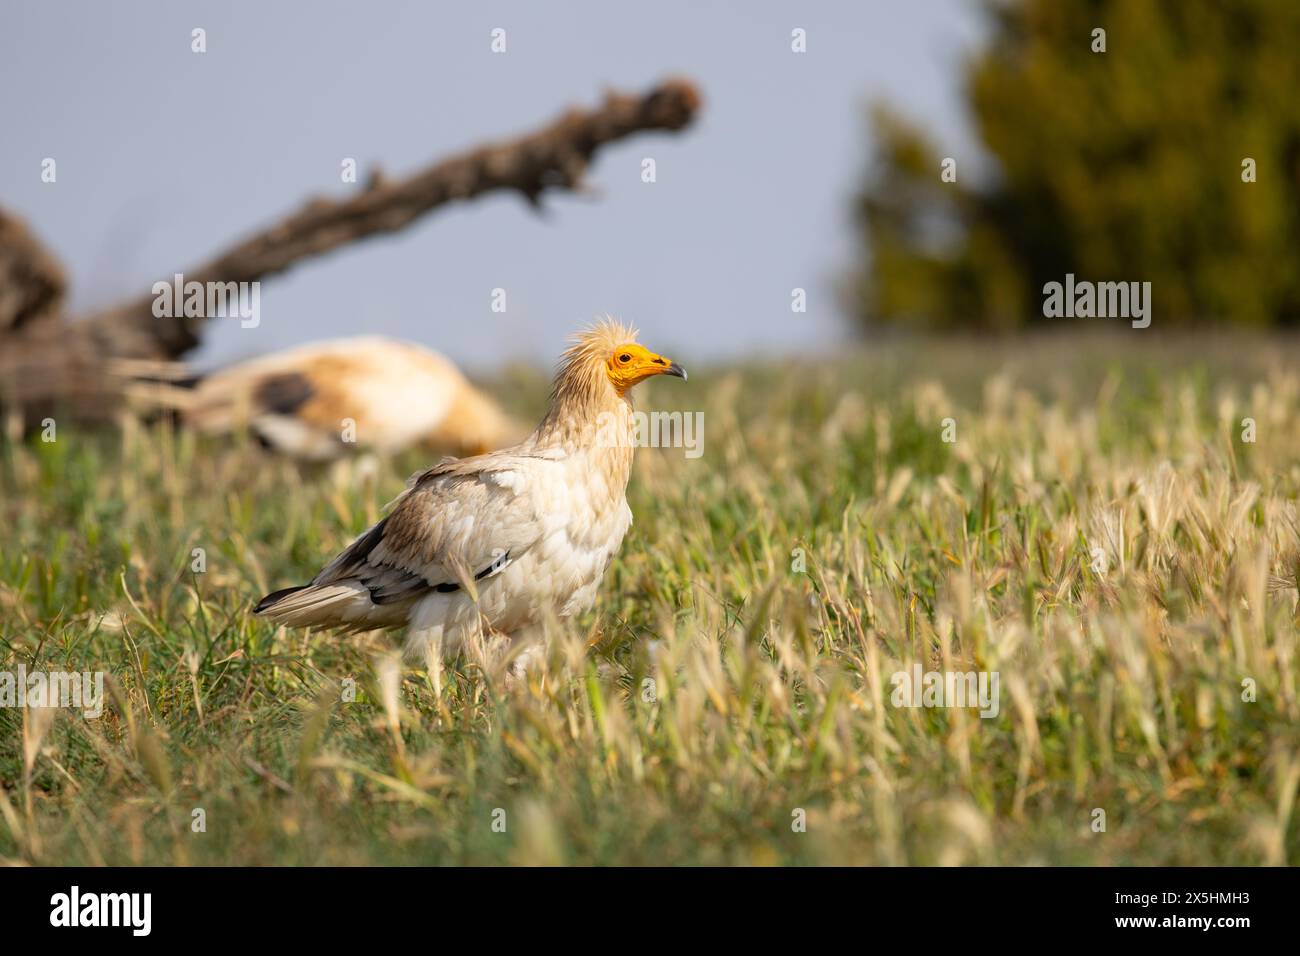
(495, 543)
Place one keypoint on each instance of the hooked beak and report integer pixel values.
(675, 370)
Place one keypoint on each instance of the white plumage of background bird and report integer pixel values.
(497, 542)
(325, 400)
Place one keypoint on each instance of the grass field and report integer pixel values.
(719, 705)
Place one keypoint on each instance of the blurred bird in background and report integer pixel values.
(327, 400)
(492, 545)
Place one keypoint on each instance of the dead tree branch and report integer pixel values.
(31, 280)
(556, 156)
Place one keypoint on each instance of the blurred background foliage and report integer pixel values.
(1125, 165)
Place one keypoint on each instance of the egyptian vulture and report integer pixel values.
(501, 540)
(325, 400)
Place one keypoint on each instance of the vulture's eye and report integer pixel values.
(625, 358)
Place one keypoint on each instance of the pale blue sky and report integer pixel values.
(164, 156)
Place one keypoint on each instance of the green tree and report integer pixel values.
(1123, 165)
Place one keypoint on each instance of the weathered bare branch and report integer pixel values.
(32, 282)
(556, 156)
